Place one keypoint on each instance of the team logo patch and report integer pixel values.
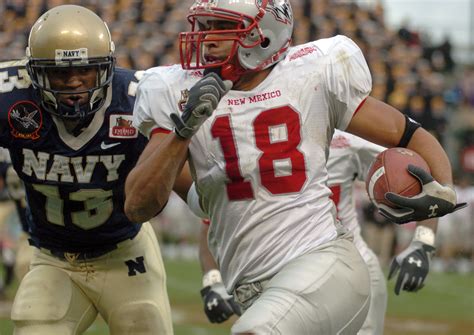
(121, 127)
(196, 74)
(183, 100)
(25, 119)
(136, 266)
(280, 9)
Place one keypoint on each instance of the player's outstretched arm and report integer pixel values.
(413, 264)
(382, 124)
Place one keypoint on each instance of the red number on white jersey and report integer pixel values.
(237, 188)
(272, 150)
(336, 194)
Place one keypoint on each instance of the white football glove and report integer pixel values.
(435, 200)
(203, 99)
(413, 262)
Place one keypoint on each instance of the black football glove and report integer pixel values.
(414, 265)
(435, 200)
(203, 99)
(218, 304)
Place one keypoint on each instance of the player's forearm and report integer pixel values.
(430, 149)
(206, 259)
(430, 223)
(149, 184)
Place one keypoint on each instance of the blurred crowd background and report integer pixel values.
(418, 76)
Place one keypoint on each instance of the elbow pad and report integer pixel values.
(194, 204)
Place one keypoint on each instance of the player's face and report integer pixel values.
(71, 80)
(215, 50)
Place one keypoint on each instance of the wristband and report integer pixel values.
(425, 235)
(211, 277)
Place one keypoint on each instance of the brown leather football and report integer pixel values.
(388, 173)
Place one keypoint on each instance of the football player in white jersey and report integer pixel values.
(257, 142)
(349, 159)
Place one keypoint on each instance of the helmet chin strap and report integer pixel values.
(66, 111)
(83, 121)
(230, 72)
(80, 122)
(78, 111)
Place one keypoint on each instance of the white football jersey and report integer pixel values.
(260, 159)
(349, 159)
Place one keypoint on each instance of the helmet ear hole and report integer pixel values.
(265, 43)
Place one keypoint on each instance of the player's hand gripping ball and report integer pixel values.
(399, 183)
(389, 173)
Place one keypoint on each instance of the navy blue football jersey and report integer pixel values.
(74, 184)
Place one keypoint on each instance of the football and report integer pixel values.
(388, 173)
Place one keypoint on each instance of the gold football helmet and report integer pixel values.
(70, 36)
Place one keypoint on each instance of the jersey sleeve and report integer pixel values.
(15, 87)
(364, 156)
(348, 79)
(153, 103)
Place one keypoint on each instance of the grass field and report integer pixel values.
(444, 307)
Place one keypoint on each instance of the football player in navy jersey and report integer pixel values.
(66, 119)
